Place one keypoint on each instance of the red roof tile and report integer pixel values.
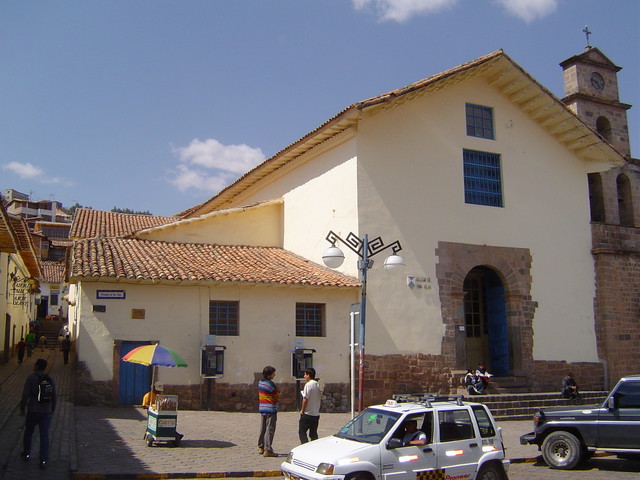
(89, 223)
(53, 271)
(135, 259)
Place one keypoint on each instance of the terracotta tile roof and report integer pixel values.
(89, 223)
(61, 242)
(135, 259)
(53, 271)
(8, 239)
(16, 229)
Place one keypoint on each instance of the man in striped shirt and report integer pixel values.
(268, 395)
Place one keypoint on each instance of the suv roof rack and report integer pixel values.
(427, 398)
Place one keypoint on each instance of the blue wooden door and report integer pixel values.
(135, 379)
(497, 326)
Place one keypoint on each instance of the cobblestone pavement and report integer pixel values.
(62, 455)
(605, 468)
(98, 442)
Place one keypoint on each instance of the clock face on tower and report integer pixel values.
(597, 81)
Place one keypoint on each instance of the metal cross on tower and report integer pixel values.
(587, 32)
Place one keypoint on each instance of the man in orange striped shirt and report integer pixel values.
(268, 395)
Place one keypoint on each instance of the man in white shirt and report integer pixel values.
(310, 409)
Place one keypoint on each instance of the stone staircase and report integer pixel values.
(522, 406)
(50, 330)
(510, 398)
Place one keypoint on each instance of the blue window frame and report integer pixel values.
(479, 121)
(224, 317)
(482, 178)
(310, 319)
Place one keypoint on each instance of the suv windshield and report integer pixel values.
(370, 426)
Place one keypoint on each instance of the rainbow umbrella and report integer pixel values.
(154, 355)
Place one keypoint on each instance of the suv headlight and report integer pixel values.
(325, 469)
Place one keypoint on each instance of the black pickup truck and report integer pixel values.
(568, 436)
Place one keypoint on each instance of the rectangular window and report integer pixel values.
(310, 319)
(482, 178)
(479, 121)
(484, 422)
(53, 299)
(455, 425)
(224, 317)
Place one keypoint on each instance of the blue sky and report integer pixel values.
(157, 105)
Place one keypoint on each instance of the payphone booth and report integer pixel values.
(211, 367)
(301, 359)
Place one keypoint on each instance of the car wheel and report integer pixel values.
(489, 471)
(562, 450)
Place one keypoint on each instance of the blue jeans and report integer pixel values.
(42, 420)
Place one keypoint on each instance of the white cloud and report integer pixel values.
(210, 166)
(529, 10)
(31, 172)
(402, 10)
(24, 170)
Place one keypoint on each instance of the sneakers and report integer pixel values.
(25, 457)
(260, 451)
(269, 453)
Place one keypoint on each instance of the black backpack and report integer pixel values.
(45, 389)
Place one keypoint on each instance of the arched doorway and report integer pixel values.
(485, 316)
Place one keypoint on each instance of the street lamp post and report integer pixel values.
(333, 258)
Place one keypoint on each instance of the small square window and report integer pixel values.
(224, 317)
(310, 319)
(479, 121)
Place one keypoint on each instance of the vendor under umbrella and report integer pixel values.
(150, 397)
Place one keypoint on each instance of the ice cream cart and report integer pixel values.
(163, 421)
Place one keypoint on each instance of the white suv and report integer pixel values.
(463, 442)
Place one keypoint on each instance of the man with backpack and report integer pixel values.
(39, 400)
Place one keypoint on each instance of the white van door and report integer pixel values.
(458, 448)
(405, 463)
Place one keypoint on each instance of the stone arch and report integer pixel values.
(625, 200)
(513, 266)
(603, 127)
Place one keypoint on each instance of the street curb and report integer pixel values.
(248, 474)
(127, 476)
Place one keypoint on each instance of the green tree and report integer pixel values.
(130, 212)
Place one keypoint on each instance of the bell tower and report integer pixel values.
(591, 92)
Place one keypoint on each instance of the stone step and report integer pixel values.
(522, 406)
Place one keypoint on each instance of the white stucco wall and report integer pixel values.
(260, 225)
(178, 318)
(20, 314)
(411, 188)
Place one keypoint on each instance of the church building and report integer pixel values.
(513, 212)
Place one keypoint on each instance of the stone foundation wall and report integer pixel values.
(415, 373)
(549, 374)
(89, 392)
(385, 376)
